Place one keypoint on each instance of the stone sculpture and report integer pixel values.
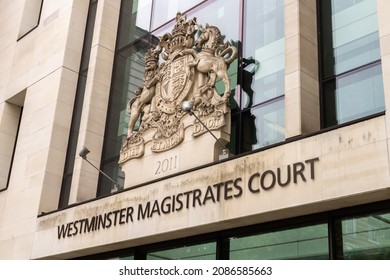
(184, 66)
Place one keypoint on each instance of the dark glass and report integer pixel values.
(263, 125)
(105, 185)
(205, 251)
(234, 143)
(262, 74)
(134, 21)
(127, 78)
(365, 237)
(304, 243)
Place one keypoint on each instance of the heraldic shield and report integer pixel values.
(184, 66)
(176, 83)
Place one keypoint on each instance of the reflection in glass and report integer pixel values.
(353, 96)
(206, 251)
(127, 78)
(134, 21)
(264, 42)
(263, 125)
(165, 10)
(262, 74)
(224, 16)
(105, 185)
(352, 84)
(309, 242)
(350, 35)
(366, 237)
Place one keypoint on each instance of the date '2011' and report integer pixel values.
(166, 165)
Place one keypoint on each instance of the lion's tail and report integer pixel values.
(230, 50)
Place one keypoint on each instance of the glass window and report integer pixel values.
(134, 21)
(225, 16)
(345, 97)
(205, 251)
(265, 124)
(351, 71)
(165, 10)
(262, 75)
(365, 237)
(263, 50)
(350, 35)
(127, 78)
(308, 242)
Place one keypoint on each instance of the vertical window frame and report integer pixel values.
(323, 81)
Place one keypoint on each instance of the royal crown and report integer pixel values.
(182, 32)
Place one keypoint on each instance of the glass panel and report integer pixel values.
(233, 145)
(221, 14)
(134, 21)
(263, 126)
(205, 251)
(309, 242)
(263, 50)
(366, 237)
(353, 96)
(224, 16)
(127, 78)
(350, 35)
(106, 185)
(165, 10)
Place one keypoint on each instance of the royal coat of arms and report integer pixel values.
(184, 66)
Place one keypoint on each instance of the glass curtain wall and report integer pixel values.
(255, 27)
(204, 251)
(307, 242)
(351, 76)
(357, 233)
